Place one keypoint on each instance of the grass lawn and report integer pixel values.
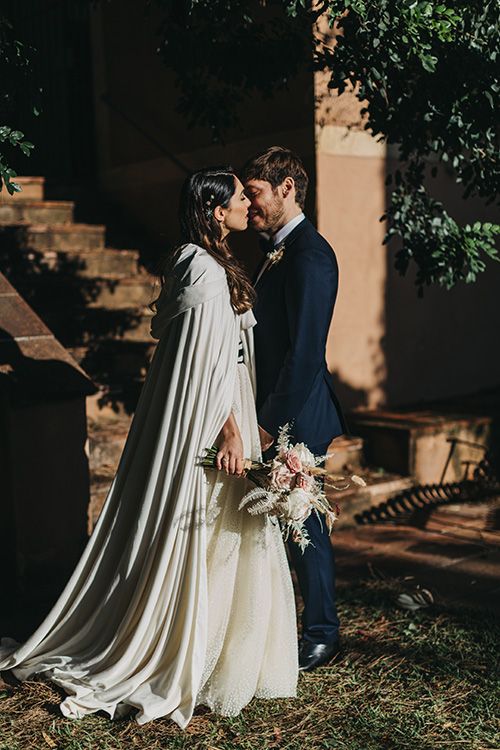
(407, 681)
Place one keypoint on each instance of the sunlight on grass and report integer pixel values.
(420, 681)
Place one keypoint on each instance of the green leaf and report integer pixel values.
(490, 99)
(429, 63)
(12, 187)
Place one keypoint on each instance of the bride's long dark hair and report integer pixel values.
(201, 193)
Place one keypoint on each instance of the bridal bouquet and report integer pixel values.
(290, 487)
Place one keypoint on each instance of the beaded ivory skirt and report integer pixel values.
(252, 637)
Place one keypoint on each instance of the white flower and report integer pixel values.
(358, 480)
(304, 454)
(275, 255)
(299, 505)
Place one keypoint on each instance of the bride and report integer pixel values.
(179, 599)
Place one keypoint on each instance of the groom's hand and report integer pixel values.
(266, 440)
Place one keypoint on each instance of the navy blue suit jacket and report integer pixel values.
(295, 301)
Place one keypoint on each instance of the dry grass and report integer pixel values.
(421, 681)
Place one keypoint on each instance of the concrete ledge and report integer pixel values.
(340, 140)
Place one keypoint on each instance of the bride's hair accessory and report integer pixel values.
(209, 205)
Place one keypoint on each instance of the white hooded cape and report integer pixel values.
(130, 628)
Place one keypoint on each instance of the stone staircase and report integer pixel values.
(95, 299)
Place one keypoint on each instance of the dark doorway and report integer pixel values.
(63, 132)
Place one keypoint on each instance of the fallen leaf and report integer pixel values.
(50, 742)
(358, 480)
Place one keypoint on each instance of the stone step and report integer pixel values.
(62, 237)
(19, 253)
(140, 330)
(64, 289)
(89, 326)
(105, 263)
(107, 437)
(115, 362)
(345, 453)
(70, 309)
(432, 447)
(114, 400)
(380, 487)
(126, 323)
(118, 294)
(36, 212)
(32, 190)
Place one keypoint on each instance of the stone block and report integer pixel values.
(63, 237)
(347, 453)
(431, 446)
(32, 190)
(44, 473)
(37, 212)
(379, 488)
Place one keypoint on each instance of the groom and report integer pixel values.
(296, 289)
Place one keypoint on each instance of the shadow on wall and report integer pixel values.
(347, 394)
(25, 379)
(43, 464)
(443, 344)
(65, 289)
(61, 288)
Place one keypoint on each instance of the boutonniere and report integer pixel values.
(275, 255)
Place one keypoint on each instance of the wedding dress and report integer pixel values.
(179, 598)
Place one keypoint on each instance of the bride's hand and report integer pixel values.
(230, 454)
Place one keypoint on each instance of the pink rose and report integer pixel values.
(304, 481)
(280, 477)
(293, 462)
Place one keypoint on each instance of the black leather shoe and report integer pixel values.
(314, 655)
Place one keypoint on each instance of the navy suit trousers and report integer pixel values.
(315, 569)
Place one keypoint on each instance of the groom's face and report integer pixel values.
(267, 208)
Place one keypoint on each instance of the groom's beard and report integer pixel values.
(273, 219)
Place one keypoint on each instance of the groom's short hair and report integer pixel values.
(275, 164)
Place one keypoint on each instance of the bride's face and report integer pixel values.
(234, 218)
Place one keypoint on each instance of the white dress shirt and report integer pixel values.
(282, 233)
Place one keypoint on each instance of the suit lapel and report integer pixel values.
(297, 232)
(261, 270)
(288, 242)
